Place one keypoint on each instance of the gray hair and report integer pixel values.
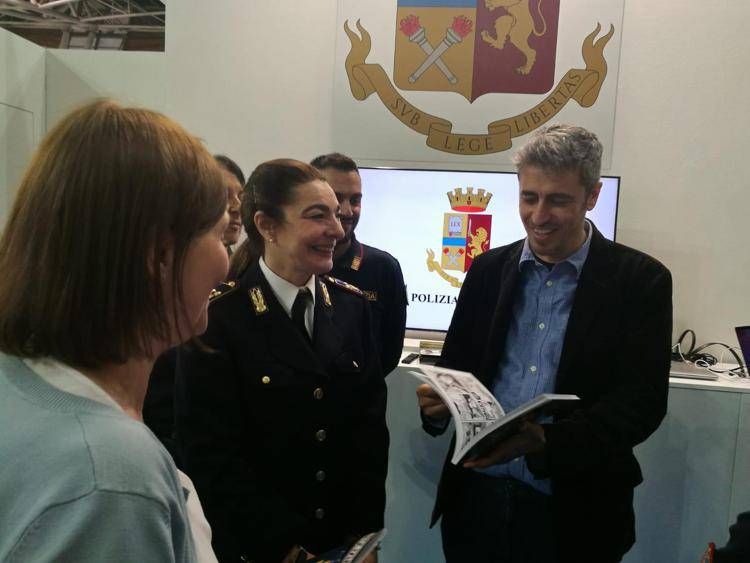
(559, 148)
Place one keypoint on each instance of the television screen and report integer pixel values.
(435, 221)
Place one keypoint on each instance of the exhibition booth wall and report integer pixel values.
(21, 110)
(256, 82)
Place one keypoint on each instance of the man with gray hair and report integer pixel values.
(562, 311)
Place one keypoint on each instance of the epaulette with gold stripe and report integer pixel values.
(344, 285)
(224, 289)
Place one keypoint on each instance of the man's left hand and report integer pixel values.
(529, 439)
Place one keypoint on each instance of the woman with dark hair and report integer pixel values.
(234, 180)
(282, 424)
(111, 249)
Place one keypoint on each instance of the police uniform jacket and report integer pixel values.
(285, 439)
(615, 357)
(378, 275)
(158, 404)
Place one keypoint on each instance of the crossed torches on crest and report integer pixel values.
(452, 258)
(411, 27)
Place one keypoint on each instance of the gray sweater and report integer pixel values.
(80, 481)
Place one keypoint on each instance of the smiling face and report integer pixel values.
(301, 244)
(348, 189)
(234, 190)
(553, 208)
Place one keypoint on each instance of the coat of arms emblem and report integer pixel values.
(466, 233)
(473, 48)
(476, 47)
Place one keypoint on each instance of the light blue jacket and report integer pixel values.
(80, 481)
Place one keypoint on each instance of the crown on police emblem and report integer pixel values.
(469, 201)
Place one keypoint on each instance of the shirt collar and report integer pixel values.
(577, 259)
(70, 380)
(285, 291)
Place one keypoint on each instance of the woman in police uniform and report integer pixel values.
(282, 423)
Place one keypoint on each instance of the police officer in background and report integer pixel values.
(372, 270)
(234, 180)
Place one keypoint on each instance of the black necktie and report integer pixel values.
(298, 311)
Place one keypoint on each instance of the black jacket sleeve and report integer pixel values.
(369, 443)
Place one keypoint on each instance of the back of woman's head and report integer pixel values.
(270, 187)
(104, 214)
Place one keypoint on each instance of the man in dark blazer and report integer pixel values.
(564, 311)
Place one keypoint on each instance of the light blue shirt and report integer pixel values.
(536, 332)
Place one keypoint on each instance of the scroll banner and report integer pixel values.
(581, 85)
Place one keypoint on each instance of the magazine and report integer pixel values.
(354, 553)
(477, 415)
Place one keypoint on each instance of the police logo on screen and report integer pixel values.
(473, 48)
(466, 234)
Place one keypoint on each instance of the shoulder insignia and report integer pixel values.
(357, 260)
(326, 295)
(224, 289)
(258, 300)
(343, 285)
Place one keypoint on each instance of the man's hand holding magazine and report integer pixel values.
(431, 404)
(485, 434)
(528, 440)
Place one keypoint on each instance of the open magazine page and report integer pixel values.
(472, 406)
(476, 412)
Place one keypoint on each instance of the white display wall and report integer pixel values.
(21, 111)
(256, 81)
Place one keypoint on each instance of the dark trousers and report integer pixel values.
(497, 520)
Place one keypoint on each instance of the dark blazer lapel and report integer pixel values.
(283, 341)
(327, 340)
(501, 316)
(591, 299)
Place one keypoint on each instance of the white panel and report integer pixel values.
(253, 78)
(76, 77)
(16, 145)
(22, 66)
(687, 465)
(681, 146)
(21, 111)
(415, 461)
(740, 489)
